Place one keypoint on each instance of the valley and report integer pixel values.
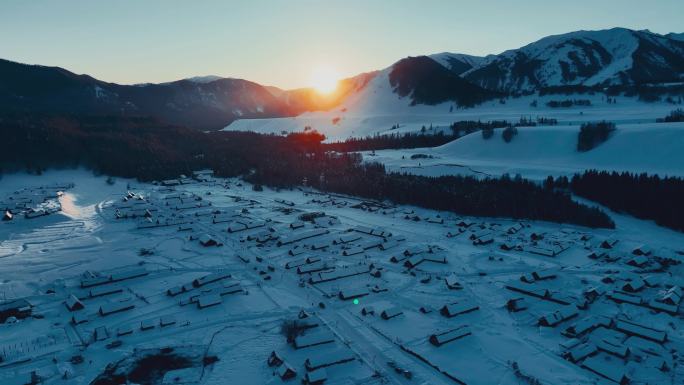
(341, 193)
(212, 268)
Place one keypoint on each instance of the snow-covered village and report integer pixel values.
(323, 288)
(471, 200)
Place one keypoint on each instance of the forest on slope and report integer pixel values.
(149, 150)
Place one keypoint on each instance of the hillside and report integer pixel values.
(616, 56)
(426, 81)
(458, 63)
(308, 99)
(537, 152)
(676, 36)
(377, 110)
(440, 89)
(205, 103)
(631, 62)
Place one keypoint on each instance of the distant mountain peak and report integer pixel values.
(676, 36)
(457, 63)
(427, 81)
(204, 79)
(202, 103)
(616, 56)
(609, 57)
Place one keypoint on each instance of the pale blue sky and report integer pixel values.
(280, 42)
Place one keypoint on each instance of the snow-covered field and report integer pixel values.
(537, 152)
(372, 283)
(376, 109)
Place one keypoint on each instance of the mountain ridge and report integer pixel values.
(42, 89)
(616, 56)
(602, 58)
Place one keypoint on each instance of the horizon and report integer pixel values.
(117, 44)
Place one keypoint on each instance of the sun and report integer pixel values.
(324, 80)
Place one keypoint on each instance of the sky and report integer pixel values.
(285, 43)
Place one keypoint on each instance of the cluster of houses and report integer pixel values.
(15, 309)
(171, 209)
(596, 339)
(33, 202)
(313, 251)
(329, 201)
(413, 256)
(512, 237)
(312, 354)
(100, 296)
(188, 213)
(599, 343)
(197, 176)
(373, 268)
(107, 290)
(206, 291)
(604, 345)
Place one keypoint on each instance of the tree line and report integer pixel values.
(674, 116)
(391, 141)
(592, 134)
(148, 150)
(568, 103)
(672, 93)
(424, 138)
(641, 195)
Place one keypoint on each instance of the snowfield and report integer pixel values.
(205, 275)
(376, 109)
(537, 152)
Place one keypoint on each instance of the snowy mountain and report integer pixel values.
(204, 79)
(205, 103)
(675, 36)
(308, 99)
(450, 81)
(445, 82)
(426, 81)
(616, 56)
(432, 84)
(458, 63)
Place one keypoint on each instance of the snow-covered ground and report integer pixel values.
(537, 152)
(230, 301)
(376, 109)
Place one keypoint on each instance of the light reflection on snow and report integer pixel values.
(86, 214)
(69, 206)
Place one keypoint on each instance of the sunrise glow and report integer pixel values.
(324, 80)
